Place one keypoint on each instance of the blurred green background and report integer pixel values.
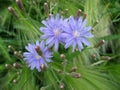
(99, 68)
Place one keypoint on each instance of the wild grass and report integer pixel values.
(96, 72)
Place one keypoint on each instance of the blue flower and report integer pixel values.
(77, 33)
(37, 56)
(53, 30)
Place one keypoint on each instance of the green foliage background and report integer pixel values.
(96, 73)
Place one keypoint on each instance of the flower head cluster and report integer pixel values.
(71, 32)
(37, 56)
(76, 34)
(53, 30)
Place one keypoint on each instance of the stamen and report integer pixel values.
(56, 32)
(37, 56)
(76, 33)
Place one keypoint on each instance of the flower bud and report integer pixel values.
(11, 48)
(105, 58)
(18, 54)
(12, 11)
(8, 66)
(42, 88)
(17, 65)
(100, 43)
(61, 85)
(78, 13)
(75, 75)
(95, 23)
(66, 11)
(59, 71)
(14, 81)
(18, 73)
(20, 5)
(46, 8)
(84, 17)
(92, 29)
(73, 69)
(62, 56)
(64, 62)
(43, 67)
(61, 12)
(76, 49)
(94, 56)
(49, 15)
(37, 48)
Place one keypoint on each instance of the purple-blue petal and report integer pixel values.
(56, 45)
(33, 59)
(85, 41)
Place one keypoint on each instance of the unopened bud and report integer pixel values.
(73, 69)
(61, 12)
(75, 75)
(43, 67)
(61, 85)
(94, 56)
(64, 62)
(100, 43)
(18, 54)
(37, 48)
(42, 88)
(12, 11)
(49, 15)
(62, 56)
(105, 58)
(17, 65)
(92, 29)
(59, 71)
(76, 49)
(33, 2)
(66, 11)
(11, 48)
(18, 73)
(84, 17)
(95, 23)
(14, 81)
(78, 13)
(46, 8)
(8, 66)
(20, 5)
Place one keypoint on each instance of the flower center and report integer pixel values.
(37, 56)
(56, 32)
(76, 33)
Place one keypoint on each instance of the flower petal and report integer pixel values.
(85, 41)
(56, 45)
